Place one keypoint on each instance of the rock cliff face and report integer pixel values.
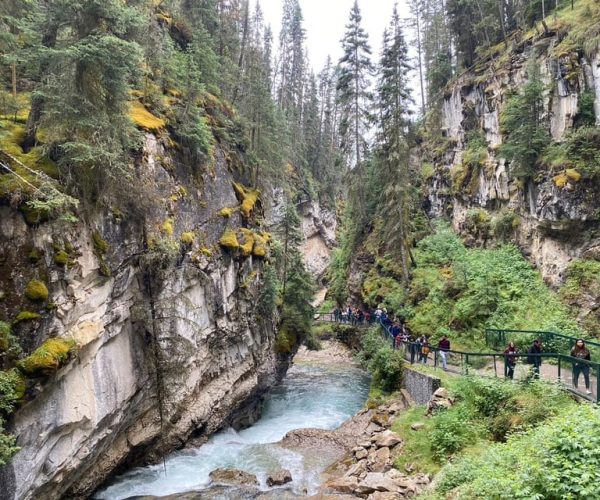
(166, 353)
(556, 221)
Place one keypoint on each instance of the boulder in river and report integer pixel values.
(279, 478)
(233, 477)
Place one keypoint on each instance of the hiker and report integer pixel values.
(367, 317)
(534, 357)
(444, 347)
(415, 348)
(510, 360)
(581, 352)
(336, 315)
(424, 350)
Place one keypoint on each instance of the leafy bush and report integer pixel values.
(382, 361)
(452, 431)
(504, 223)
(558, 459)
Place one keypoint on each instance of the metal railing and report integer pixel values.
(552, 341)
(578, 376)
(342, 318)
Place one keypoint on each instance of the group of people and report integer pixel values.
(353, 316)
(579, 352)
(420, 348)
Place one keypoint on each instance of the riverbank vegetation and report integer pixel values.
(504, 440)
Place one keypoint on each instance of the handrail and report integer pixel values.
(563, 362)
(503, 331)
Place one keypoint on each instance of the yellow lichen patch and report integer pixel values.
(226, 212)
(36, 291)
(260, 246)
(167, 227)
(144, 119)
(229, 240)
(247, 198)
(268, 237)
(248, 242)
(206, 251)
(188, 238)
(50, 356)
(564, 178)
(573, 175)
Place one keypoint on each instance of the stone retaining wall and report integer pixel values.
(419, 385)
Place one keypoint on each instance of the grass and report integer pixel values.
(416, 450)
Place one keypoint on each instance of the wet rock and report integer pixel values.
(387, 438)
(233, 477)
(279, 478)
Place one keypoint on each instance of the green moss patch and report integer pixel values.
(5, 332)
(36, 291)
(61, 258)
(50, 356)
(25, 316)
(100, 244)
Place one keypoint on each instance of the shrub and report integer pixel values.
(478, 222)
(504, 223)
(558, 459)
(36, 291)
(451, 432)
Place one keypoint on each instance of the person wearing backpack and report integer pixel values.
(424, 350)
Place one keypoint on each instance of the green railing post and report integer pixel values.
(495, 368)
(559, 368)
(467, 363)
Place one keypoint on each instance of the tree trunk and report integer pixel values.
(420, 59)
(13, 69)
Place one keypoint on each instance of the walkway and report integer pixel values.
(556, 368)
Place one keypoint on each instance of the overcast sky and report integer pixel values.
(325, 21)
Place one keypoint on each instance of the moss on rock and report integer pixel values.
(247, 197)
(34, 256)
(5, 332)
(61, 258)
(50, 356)
(226, 212)
(144, 119)
(248, 242)
(229, 240)
(100, 244)
(25, 316)
(36, 291)
(188, 238)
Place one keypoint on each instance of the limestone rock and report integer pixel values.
(279, 478)
(361, 453)
(387, 495)
(357, 469)
(234, 477)
(376, 481)
(387, 438)
(346, 484)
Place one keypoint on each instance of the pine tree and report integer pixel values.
(524, 123)
(353, 86)
(394, 102)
